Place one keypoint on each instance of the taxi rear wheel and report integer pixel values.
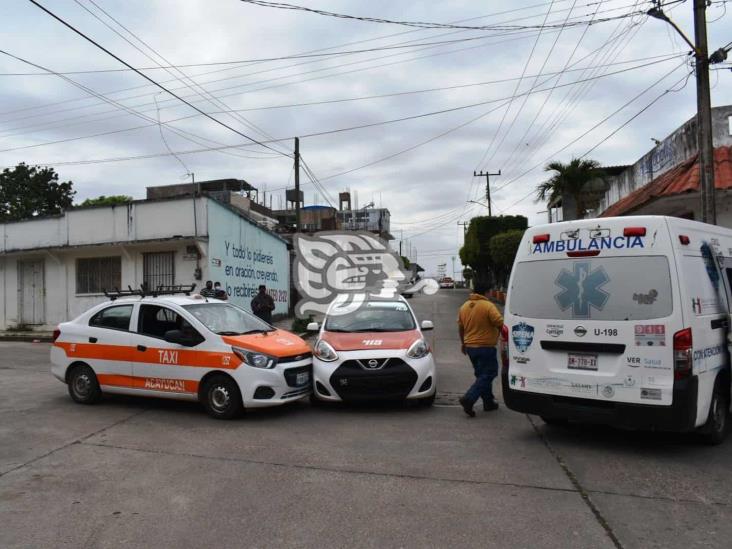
(83, 385)
(221, 398)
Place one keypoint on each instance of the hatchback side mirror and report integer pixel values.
(180, 338)
(313, 327)
(427, 325)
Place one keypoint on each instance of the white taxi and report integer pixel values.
(376, 352)
(183, 347)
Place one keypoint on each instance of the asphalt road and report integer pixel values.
(152, 473)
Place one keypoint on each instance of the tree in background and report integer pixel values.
(406, 262)
(27, 192)
(503, 248)
(113, 200)
(570, 181)
(476, 253)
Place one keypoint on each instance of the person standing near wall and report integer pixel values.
(208, 291)
(263, 304)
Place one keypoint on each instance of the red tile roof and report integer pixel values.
(683, 178)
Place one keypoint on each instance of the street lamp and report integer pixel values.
(479, 203)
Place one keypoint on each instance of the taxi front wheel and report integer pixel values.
(83, 385)
(221, 397)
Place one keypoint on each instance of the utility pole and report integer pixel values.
(703, 101)
(704, 114)
(464, 225)
(297, 184)
(487, 187)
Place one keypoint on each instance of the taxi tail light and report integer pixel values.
(504, 346)
(634, 231)
(683, 354)
(56, 334)
(539, 238)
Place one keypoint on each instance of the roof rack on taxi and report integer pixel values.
(145, 291)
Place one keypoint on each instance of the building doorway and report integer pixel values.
(31, 292)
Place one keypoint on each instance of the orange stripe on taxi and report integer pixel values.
(167, 357)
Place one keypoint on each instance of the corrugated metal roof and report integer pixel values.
(683, 178)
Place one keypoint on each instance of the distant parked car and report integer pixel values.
(447, 283)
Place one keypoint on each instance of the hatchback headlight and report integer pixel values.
(325, 352)
(418, 349)
(257, 360)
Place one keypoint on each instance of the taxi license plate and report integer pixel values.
(582, 361)
(302, 378)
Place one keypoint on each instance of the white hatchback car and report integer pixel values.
(377, 352)
(183, 347)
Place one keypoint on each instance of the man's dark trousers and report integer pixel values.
(485, 365)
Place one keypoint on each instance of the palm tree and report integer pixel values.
(571, 180)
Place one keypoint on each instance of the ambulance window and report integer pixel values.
(593, 288)
(155, 321)
(117, 318)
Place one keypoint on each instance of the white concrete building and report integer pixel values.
(54, 268)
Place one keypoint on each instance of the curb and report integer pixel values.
(27, 338)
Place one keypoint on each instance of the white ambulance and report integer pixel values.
(621, 321)
(183, 347)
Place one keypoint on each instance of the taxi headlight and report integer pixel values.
(257, 360)
(418, 349)
(324, 351)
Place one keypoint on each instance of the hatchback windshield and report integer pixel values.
(226, 319)
(610, 288)
(385, 316)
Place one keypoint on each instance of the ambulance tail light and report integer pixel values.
(684, 239)
(634, 231)
(56, 334)
(683, 354)
(584, 253)
(539, 238)
(504, 346)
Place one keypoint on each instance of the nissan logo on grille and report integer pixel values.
(580, 331)
(373, 363)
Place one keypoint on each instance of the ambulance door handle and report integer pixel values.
(719, 323)
(93, 340)
(141, 348)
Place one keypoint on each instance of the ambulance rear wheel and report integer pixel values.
(221, 398)
(83, 385)
(715, 429)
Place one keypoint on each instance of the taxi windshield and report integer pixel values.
(227, 319)
(385, 316)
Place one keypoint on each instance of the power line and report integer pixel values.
(417, 24)
(105, 50)
(299, 74)
(341, 130)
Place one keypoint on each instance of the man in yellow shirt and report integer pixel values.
(479, 322)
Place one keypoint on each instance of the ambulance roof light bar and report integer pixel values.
(634, 231)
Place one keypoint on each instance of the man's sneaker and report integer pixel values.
(490, 406)
(467, 408)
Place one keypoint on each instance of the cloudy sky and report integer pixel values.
(438, 103)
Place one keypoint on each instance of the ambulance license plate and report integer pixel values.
(303, 378)
(582, 361)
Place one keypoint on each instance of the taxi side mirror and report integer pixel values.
(427, 325)
(180, 338)
(313, 327)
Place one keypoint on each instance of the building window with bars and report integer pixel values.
(96, 274)
(158, 269)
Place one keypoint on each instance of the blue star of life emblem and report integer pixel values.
(582, 289)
